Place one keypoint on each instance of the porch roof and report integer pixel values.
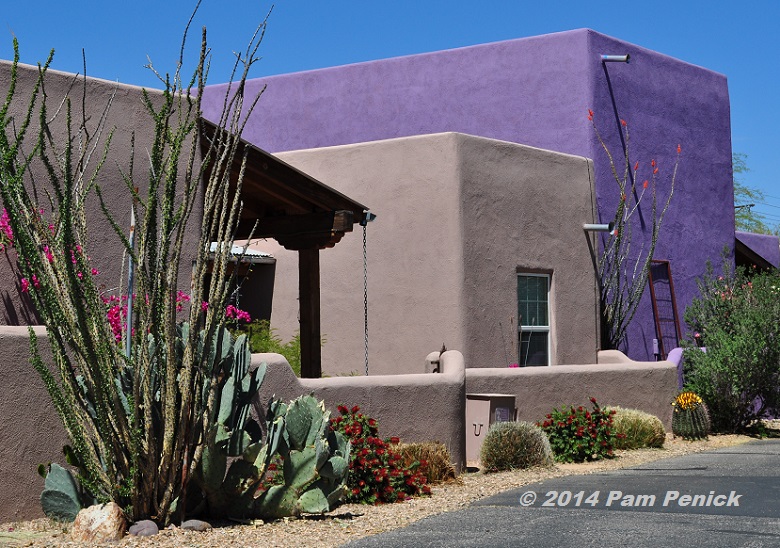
(288, 205)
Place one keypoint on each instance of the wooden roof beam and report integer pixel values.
(317, 230)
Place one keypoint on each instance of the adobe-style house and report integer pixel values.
(534, 92)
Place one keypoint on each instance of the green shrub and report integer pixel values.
(577, 435)
(638, 429)
(432, 457)
(263, 338)
(511, 445)
(377, 473)
(737, 318)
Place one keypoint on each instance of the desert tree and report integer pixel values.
(624, 262)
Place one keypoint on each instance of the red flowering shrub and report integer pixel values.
(577, 435)
(274, 475)
(376, 471)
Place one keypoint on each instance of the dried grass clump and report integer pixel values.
(434, 458)
(639, 428)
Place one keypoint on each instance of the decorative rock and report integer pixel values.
(195, 525)
(99, 523)
(144, 528)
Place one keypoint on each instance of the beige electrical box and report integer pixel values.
(482, 410)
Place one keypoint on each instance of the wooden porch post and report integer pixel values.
(309, 294)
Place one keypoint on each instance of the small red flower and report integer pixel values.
(590, 115)
(655, 171)
(679, 149)
(636, 165)
(644, 185)
(652, 163)
(623, 123)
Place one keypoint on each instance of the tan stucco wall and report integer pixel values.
(648, 386)
(415, 262)
(414, 407)
(457, 216)
(523, 209)
(127, 116)
(30, 429)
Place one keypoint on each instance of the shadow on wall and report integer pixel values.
(16, 307)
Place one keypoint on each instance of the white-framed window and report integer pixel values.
(533, 318)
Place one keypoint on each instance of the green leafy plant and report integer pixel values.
(577, 434)
(264, 338)
(635, 429)
(690, 419)
(511, 445)
(737, 318)
(376, 471)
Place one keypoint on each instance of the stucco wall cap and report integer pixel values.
(766, 246)
(558, 370)
(445, 135)
(639, 51)
(6, 65)
(22, 330)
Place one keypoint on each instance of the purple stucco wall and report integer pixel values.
(765, 245)
(535, 91)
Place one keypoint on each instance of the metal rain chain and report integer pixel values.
(368, 217)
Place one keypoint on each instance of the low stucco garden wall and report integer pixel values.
(30, 429)
(414, 407)
(614, 381)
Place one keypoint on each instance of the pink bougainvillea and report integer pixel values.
(231, 312)
(6, 233)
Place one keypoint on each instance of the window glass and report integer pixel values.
(533, 292)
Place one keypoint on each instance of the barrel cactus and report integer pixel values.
(511, 445)
(690, 420)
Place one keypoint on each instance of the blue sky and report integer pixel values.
(738, 40)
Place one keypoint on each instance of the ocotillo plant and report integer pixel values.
(136, 423)
(622, 270)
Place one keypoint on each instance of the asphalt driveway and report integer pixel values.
(728, 497)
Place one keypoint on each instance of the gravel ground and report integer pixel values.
(349, 522)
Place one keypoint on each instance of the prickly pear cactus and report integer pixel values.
(690, 419)
(234, 461)
(316, 463)
(61, 497)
